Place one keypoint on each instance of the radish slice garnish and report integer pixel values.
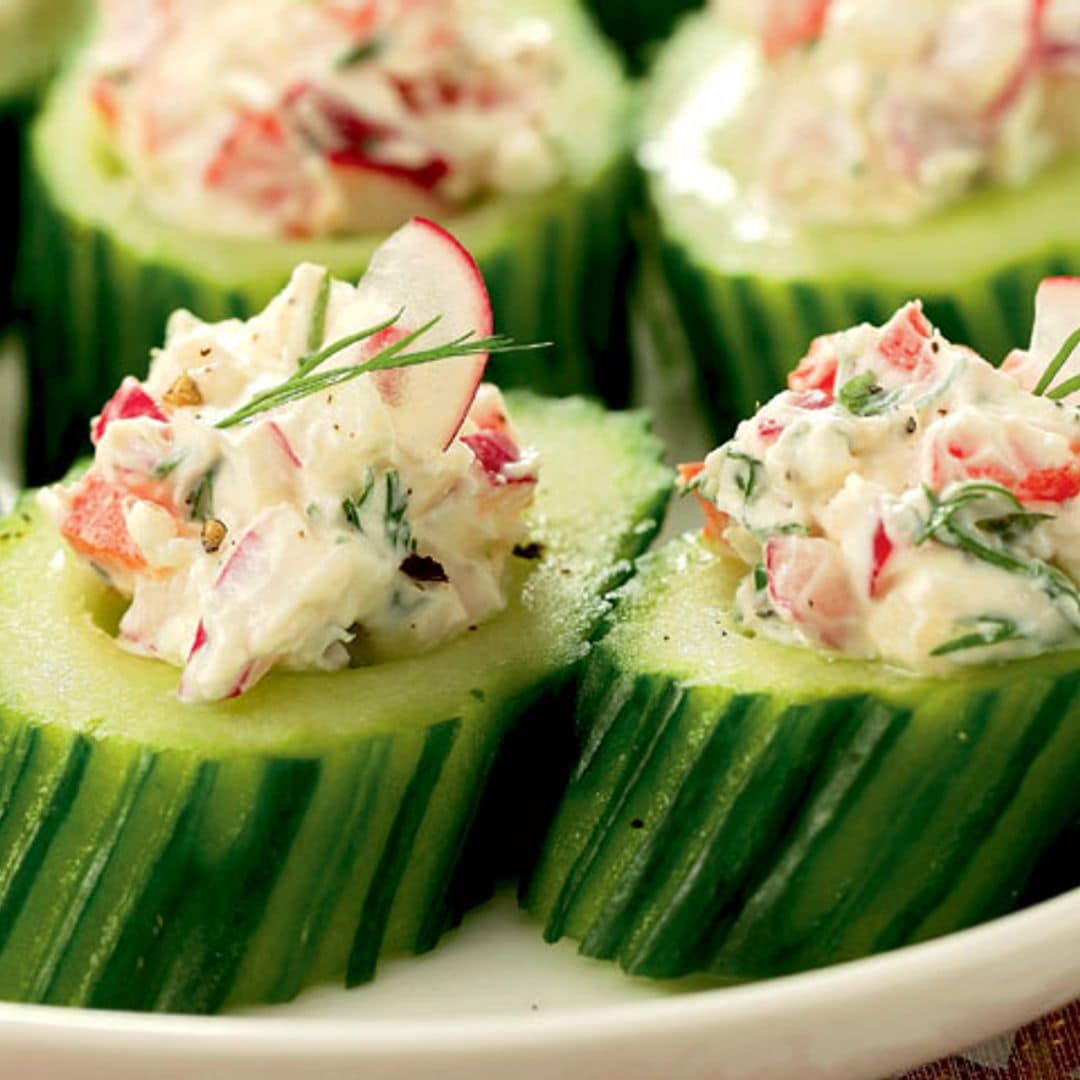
(425, 272)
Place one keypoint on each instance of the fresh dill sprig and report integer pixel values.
(746, 478)
(1055, 365)
(306, 381)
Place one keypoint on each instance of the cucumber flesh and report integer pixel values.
(750, 305)
(161, 856)
(99, 274)
(749, 809)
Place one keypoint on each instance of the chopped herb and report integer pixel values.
(423, 569)
(166, 466)
(531, 550)
(201, 499)
(317, 329)
(1055, 365)
(746, 478)
(306, 381)
(351, 505)
(761, 578)
(398, 531)
(984, 537)
(367, 50)
(864, 396)
(992, 631)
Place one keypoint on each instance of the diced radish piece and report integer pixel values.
(905, 341)
(789, 23)
(495, 450)
(200, 640)
(424, 271)
(245, 563)
(95, 525)
(426, 177)
(128, 403)
(882, 549)
(285, 446)
(769, 428)
(817, 369)
(251, 674)
(808, 585)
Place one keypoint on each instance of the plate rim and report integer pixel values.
(971, 951)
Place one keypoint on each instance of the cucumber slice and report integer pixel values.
(750, 305)
(169, 857)
(100, 274)
(748, 809)
(637, 24)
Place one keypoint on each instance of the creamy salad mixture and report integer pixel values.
(371, 519)
(906, 501)
(873, 110)
(305, 118)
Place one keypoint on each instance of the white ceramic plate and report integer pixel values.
(493, 1000)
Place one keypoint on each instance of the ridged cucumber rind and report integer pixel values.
(750, 307)
(748, 809)
(165, 857)
(99, 274)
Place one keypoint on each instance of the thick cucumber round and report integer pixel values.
(749, 809)
(99, 274)
(750, 300)
(161, 856)
(636, 24)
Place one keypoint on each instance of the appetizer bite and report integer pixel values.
(197, 152)
(814, 164)
(846, 717)
(265, 647)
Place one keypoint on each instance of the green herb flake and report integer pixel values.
(351, 505)
(991, 631)
(746, 477)
(202, 497)
(358, 54)
(167, 466)
(761, 578)
(862, 395)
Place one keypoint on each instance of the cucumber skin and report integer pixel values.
(746, 836)
(744, 333)
(95, 309)
(172, 879)
(637, 24)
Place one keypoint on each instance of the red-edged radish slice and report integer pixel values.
(808, 585)
(424, 271)
(382, 197)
